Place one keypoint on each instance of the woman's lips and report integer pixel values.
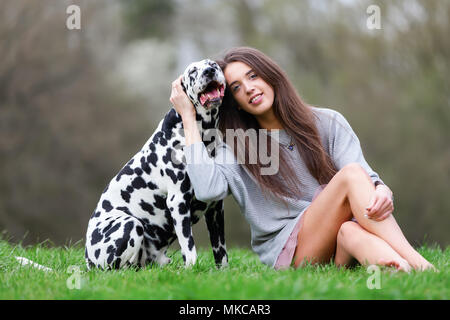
(256, 100)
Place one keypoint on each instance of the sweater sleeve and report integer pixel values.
(209, 177)
(345, 147)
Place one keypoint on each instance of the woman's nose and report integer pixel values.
(248, 88)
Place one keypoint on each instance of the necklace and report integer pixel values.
(290, 146)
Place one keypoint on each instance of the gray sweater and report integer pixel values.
(270, 221)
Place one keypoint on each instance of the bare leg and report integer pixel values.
(359, 194)
(367, 248)
(347, 195)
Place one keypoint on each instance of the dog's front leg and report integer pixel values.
(181, 215)
(216, 228)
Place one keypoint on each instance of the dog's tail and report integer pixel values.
(26, 262)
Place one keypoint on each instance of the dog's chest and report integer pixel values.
(159, 166)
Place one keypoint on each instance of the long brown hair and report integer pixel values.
(294, 115)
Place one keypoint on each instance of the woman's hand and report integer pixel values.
(181, 101)
(186, 110)
(381, 204)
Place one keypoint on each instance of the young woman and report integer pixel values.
(350, 218)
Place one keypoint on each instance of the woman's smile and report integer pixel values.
(256, 99)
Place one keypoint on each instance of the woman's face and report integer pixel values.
(252, 93)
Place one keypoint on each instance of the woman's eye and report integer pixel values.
(234, 88)
(253, 75)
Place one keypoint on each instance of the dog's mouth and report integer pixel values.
(212, 95)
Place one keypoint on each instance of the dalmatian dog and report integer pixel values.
(151, 202)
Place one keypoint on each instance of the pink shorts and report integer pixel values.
(284, 260)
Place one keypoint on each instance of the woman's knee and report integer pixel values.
(353, 172)
(349, 234)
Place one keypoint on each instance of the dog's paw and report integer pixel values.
(222, 264)
(189, 259)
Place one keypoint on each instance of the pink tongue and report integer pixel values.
(214, 94)
(209, 96)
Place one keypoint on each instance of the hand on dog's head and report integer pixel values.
(204, 83)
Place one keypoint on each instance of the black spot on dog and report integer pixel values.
(152, 186)
(180, 165)
(186, 184)
(139, 230)
(107, 205)
(139, 183)
(116, 264)
(176, 143)
(191, 243)
(152, 158)
(187, 197)
(170, 121)
(147, 207)
(145, 166)
(125, 170)
(96, 237)
(186, 226)
(125, 195)
(97, 253)
(160, 202)
(172, 175)
(182, 208)
(95, 214)
(168, 156)
(125, 209)
(122, 243)
(110, 250)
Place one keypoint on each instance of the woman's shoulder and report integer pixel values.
(326, 114)
(327, 117)
(331, 121)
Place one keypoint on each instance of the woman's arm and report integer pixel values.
(186, 110)
(207, 178)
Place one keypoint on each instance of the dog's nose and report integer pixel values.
(209, 72)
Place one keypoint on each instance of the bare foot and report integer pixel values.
(422, 264)
(399, 264)
(425, 265)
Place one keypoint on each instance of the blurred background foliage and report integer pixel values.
(75, 105)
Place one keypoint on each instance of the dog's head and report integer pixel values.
(204, 84)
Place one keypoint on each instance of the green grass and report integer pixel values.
(244, 278)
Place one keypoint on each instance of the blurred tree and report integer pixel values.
(149, 18)
(64, 130)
